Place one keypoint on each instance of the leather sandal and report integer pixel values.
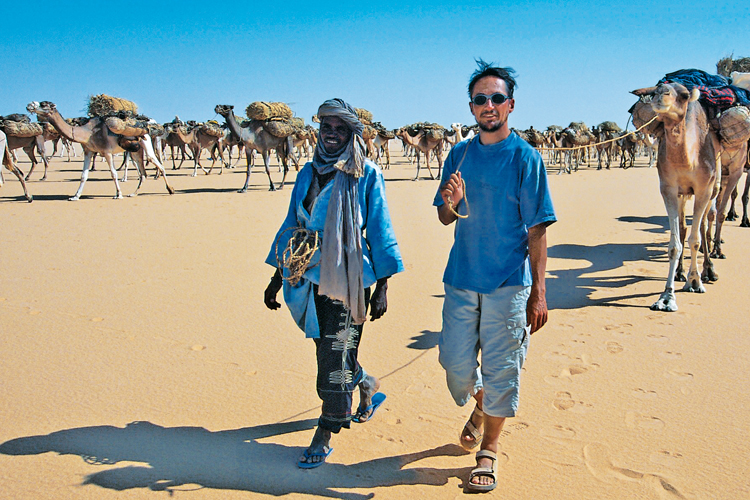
(474, 432)
(483, 471)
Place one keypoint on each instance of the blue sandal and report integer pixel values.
(303, 464)
(377, 400)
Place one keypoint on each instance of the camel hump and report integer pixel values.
(644, 91)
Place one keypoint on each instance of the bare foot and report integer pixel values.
(367, 388)
(319, 447)
(482, 479)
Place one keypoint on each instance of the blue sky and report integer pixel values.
(405, 61)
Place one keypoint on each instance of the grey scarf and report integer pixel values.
(341, 251)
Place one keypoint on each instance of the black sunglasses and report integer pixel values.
(497, 99)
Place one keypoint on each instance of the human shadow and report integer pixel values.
(231, 459)
(572, 288)
(425, 340)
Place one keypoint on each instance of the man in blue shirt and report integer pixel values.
(497, 195)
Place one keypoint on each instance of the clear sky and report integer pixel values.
(404, 61)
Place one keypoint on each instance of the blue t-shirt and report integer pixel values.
(507, 193)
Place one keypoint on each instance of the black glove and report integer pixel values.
(379, 299)
(269, 296)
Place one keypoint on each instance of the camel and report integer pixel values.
(421, 143)
(96, 138)
(733, 162)
(255, 137)
(28, 144)
(732, 215)
(686, 163)
(382, 147)
(651, 145)
(190, 139)
(603, 148)
(7, 161)
(628, 144)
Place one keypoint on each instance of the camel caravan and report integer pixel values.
(113, 126)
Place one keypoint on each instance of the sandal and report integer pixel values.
(483, 471)
(475, 433)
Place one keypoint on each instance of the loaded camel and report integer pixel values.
(29, 144)
(732, 215)
(7, 161)
(422, 143)
(686, 164)
(255, 137)
(96, 138)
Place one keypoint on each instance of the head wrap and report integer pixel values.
(341, 250)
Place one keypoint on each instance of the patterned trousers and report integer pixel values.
(339, 372)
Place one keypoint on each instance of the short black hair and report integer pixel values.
(487, 69)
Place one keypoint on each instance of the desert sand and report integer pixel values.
(137, 359)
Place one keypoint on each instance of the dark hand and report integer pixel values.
(379, 300)
(536, 310)
(269, 296)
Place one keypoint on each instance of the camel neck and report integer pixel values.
(71, 132)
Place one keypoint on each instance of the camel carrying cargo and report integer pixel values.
(212, 128)
(364, 116)
(129, 127)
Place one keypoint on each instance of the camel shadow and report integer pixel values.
(572, 288)
(195, 458)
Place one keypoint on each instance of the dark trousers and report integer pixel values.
(339, 372)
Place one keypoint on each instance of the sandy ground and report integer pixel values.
(138, 361)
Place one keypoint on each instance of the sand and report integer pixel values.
(136, 355)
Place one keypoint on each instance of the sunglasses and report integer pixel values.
(497, 99)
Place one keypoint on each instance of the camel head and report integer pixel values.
(669, 100)
(43, 108)
(223, 109)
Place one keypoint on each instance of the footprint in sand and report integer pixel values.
(566, 374)
(645, 394)
(635, 420)
(558, 432)
(596, 458)
(514, 427)
(657, 338)
(614, 348)
(621, 326)
(678, 374)
(557, 356)
(671, 355)
(564, 401)
(664, 457)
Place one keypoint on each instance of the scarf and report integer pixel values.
(341, 252)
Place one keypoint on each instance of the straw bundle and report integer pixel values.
(577, 126)
(735, 126)
(726, 65)
(212, 128)
(78, 121)
(21, 129)
(364, 116)
(128, 127)
(261, 110)
(609, 127)
(104, 105)
(555, 128)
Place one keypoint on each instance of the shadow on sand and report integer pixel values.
(194, 458)
(572, 288)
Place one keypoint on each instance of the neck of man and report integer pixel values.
(499, 135)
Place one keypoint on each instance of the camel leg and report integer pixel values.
(40, 150)
(266, 163)
(440, 164)
(701, 205)
(10, 165)
(124, 163)
(667, 301)
(732, 214)
(87, 160)
(679, 274)
(745, 196)
(111, 162)
(151, 155)
(729, 182)
(416, 177)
